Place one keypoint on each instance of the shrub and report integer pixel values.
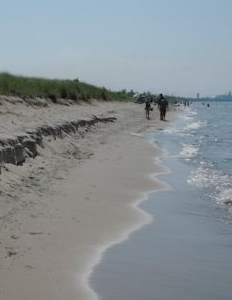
(63, 93)
(53, 98)
(72, 95)
(104, 94)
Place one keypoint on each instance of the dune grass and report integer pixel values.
(30, 87)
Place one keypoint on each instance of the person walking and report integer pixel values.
(147, 108)
(163, 105)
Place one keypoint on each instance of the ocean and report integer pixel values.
(186, 253)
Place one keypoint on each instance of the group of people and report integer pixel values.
(162, 105)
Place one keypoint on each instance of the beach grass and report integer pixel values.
(30, 87)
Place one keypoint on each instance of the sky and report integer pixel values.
(175, 47)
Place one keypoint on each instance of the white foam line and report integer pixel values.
(144, 219)
(137, 134)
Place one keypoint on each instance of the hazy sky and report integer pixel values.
(177, 47)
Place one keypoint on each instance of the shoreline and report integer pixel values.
(104, 248)
(190, 235)
(148, 218)
(51, 241)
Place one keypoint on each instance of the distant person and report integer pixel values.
(147, 108)
(163, 106)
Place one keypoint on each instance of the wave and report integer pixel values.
(218, 183)
(196, 125)
(186, 125)
(225, 197)
(188, 151)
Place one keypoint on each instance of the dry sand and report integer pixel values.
(61, 210)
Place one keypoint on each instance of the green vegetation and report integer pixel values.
(54, 89)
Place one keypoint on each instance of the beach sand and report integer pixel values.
(61, 210)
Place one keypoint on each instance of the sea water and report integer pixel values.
(186, 253)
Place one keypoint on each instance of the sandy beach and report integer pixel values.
(63, 208)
